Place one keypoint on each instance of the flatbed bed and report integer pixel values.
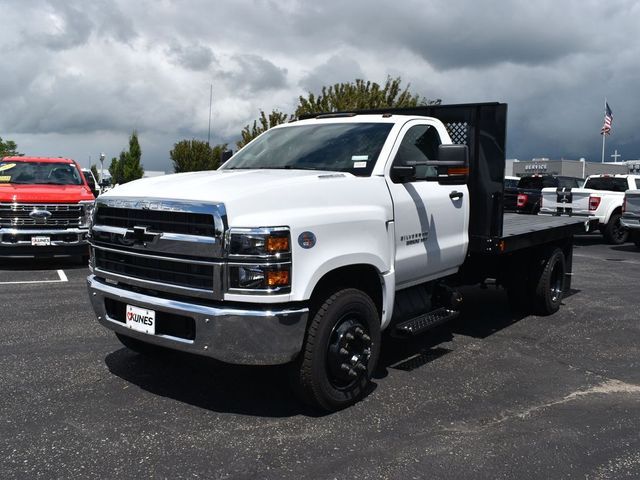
(522, 231)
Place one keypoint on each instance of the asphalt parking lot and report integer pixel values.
(491, 395)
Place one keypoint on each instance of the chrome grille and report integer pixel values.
(14, 215)
(162, 245)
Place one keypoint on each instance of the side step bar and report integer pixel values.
(426, 321)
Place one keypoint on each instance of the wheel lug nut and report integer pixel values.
(360, 366)
(367, 352)
(349, 336)
(352, 373)
(344, 351)
(345, 367)
(359, 331)
(366, 337)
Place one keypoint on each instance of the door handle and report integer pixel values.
(456, 195)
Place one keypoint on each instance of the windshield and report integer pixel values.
(39, 173)
(337, 147)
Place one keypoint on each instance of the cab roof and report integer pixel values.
(37, 159)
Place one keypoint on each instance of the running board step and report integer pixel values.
(426, 321)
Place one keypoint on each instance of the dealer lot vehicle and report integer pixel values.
(45, 208)
(527, 195)
(631, 215)
(317, 236)
(601, 200)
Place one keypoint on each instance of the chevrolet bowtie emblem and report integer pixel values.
(141, 236)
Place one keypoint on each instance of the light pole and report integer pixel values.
(101, 170)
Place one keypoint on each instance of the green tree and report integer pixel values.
(263, 124)
(8, 148)
(94, 170)
(132, 168)
(357, 95)
(195, 155)
(116, 169)
(361, 95)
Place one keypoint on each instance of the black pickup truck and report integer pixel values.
(525, 198)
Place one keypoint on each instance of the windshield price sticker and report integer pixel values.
(357, 158)
(40, 241)
(359, 164)
(141, 319)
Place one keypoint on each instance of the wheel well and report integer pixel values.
(363, 277)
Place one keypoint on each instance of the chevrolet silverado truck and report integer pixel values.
(319, 235)
(600, 200)
(631, 215)
(45, 208)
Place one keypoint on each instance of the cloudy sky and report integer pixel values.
(76, 77)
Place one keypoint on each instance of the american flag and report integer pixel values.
(608, 118)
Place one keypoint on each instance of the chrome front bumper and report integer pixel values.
(234, 335)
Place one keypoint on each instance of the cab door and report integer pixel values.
(431, 220)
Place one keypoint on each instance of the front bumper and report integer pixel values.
(17, 243)
(250, 336)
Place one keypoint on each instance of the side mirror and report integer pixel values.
(452, 164)
(105, 183)
(402, 173)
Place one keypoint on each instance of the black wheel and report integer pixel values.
(139, 346)
(549, 282)
(614, 232)
(340, 351)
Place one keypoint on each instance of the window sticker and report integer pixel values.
(5, 178)
(356, 158)
(7, 166)
(359, 164)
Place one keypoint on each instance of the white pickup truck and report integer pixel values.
(600, 199)
(631, 214)
(317, 236)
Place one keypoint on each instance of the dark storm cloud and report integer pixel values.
(193, 57)
(255, 73)
(335, 70)
(81, 69)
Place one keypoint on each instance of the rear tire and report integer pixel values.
(340, 351)
(614, 232)
(549, 282)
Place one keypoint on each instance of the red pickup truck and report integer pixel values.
(45, 208)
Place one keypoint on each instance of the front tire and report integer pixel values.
(614, 232)
(340, 351)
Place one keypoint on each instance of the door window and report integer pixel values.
(419, 144)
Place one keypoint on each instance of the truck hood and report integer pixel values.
(15, 193)
(254, 198)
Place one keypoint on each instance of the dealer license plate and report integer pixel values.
(141, 319)
(40, 241)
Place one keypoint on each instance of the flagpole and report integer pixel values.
(604, 134)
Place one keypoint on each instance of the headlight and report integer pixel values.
(87, 213)
(259, 260)
(260, 242)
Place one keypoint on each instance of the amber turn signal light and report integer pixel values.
(277, 244)
(278, 278)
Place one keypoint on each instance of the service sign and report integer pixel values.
(141, 319)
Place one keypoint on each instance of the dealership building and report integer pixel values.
(569, 168)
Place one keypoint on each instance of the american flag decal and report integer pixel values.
(608, 118)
